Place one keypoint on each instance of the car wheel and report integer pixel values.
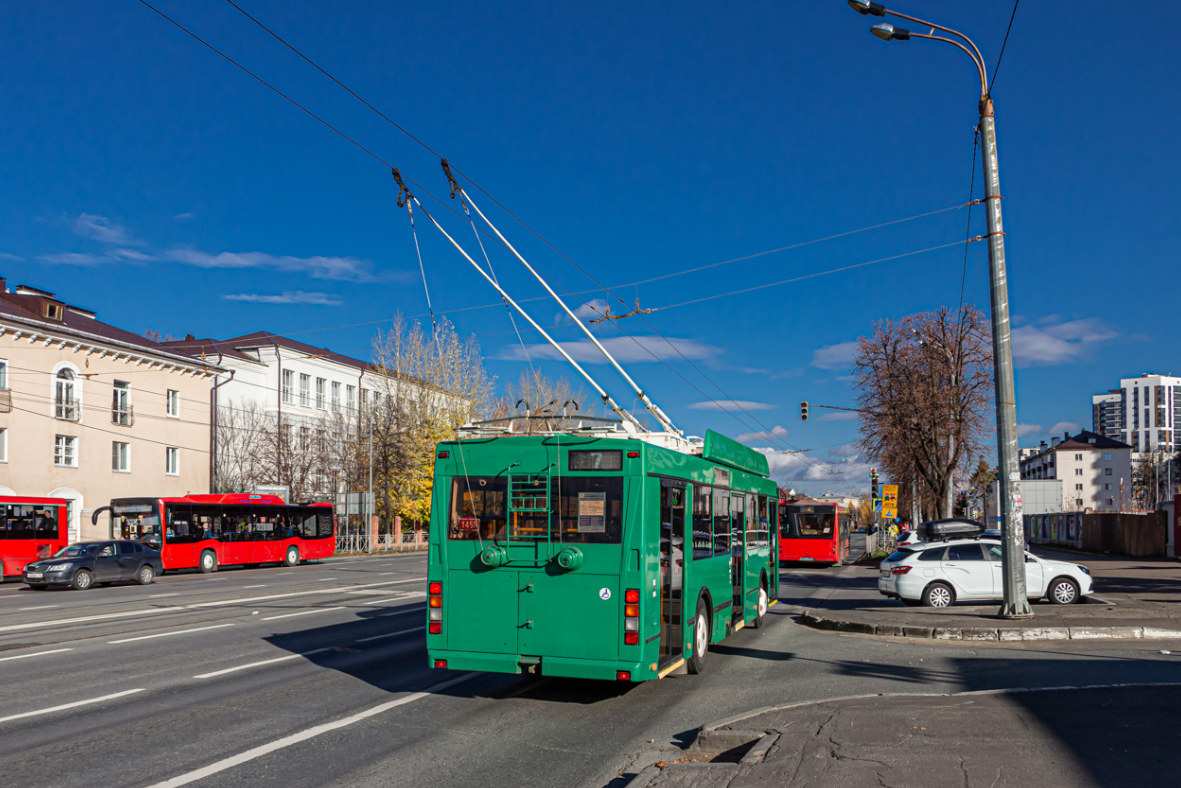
(938, 595)
(292, 558)
(911, 602)
(82, 580)
(208, 561)
(1062, 591)
(696, 663)
(146, 575)
(761, 606)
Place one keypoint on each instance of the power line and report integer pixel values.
(997, 67)
(968, 228)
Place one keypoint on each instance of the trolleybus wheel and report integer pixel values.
(761, 605)
(82, 580)
(146, 575)
(208, 561)
(696, 663)
(292, 558)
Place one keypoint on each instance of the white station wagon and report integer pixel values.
(936, 574)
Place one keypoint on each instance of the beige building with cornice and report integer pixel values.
(90, 412)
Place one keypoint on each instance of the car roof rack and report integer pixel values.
(950, 528)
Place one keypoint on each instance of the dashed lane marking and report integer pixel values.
(36, 654)
(167, 634)
(73, 705)
(249, 665)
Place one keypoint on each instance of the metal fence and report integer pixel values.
(882, 540)
(380, 543)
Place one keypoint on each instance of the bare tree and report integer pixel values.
(534, 394)
(924, 384)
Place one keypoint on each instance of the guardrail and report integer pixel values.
(381, 543)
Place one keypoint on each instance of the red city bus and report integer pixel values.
(30, 529)
(208, 531)
(813, 532)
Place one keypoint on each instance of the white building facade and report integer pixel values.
(1143, 412)
(1095, 471)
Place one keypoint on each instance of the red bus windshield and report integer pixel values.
(807, 522)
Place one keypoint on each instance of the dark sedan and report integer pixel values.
(83, 564)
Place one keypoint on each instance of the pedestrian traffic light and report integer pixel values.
(804, 411)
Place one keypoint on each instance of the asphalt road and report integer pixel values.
(317, 675)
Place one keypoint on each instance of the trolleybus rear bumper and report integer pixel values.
(547, 666)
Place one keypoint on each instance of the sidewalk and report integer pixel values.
(1061, 738)
(1134, 598)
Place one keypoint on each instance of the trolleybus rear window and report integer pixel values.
(579, 510)
(590, 510)
(478, 507)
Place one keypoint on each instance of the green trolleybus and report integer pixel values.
(595, 553)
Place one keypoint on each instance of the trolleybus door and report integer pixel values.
(672, 569)
(737, 546)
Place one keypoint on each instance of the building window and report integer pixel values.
(1107, 456)
(172, 461)
(289, 386)
(305, 389)
(1078, 471)
(1078, 458)
(1107, 486)
(121, 404)
(335, 397)
(3, 374)
(3, 444)
(320, 384)
(350, 397)
(1110, 501)
(65, 406)
(1078, 487)
(120, 457)
(65, 451)
(1107, 471)
(172, 404)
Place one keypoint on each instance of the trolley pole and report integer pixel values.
(1016, 601)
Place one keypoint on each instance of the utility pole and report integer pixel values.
(1016, 602)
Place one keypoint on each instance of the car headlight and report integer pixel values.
(1083, 569)
(58, 567)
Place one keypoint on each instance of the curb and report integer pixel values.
(815, 621)
(767, 739)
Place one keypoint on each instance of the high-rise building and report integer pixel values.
(1143, 412)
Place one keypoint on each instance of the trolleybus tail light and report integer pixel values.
(633, 454)
(623, 675)
(444, 455)
(440, 663)
(900, 570)
(435, 609)
(631, 617)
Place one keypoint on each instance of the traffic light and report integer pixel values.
(804, 411)
(873, 483)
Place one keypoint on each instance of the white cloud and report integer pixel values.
(838, 356)
(76, 258)
(622, 348)
(183, 216)
(732, 405)
(848, 450)
(1058, 343)
(1028, 429)
(838, 415)
(1062, 426)
(14, 257)
(288, 297)
(751, 437)
(348, 269)
(595, 308)
(99, 228)
(794, 467)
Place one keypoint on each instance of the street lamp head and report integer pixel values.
(887, 32)
(864, 7)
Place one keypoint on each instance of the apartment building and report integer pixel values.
(1143, 412)
(1095, 471)
(90, 412)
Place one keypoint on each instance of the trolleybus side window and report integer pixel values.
(702, 522)
(590, 509)
(722, 523)
(26, 521)
(478, 507)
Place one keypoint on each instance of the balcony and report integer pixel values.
(123, 417)
(5, 401)
(66, 409)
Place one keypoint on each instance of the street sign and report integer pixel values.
(877, 505)
(281, 490)
(890, 501)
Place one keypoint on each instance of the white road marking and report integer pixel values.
(257, 664)
(167, 634)
(303, 613)
(260, 585)
(268, 597)
(157, 596)
(73, 705)
(408, 595)
(15, 627)
(296, 738)
(42, 607)
(38, 654)
(391, 634)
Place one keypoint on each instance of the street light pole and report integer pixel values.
(1016, 601)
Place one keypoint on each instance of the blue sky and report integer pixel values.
(145, 177)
